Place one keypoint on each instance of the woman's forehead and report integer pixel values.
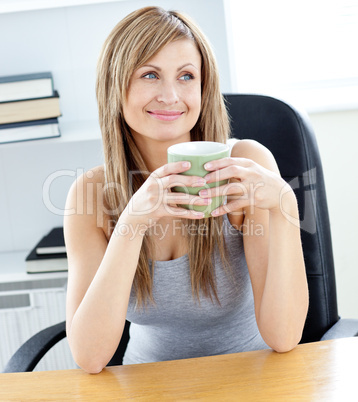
(177, 53)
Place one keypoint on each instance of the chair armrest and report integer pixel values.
(343, 328)
(32, 351)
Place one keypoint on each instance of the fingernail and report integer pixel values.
(199, 183)
(203, 193)
(208, 165)
(214, 213)
(199, 214)
(186, 164)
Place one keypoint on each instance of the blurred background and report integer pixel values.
(303, 52)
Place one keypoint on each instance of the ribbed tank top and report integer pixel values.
(178, 327)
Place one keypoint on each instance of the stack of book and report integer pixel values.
(29, 108)
(49, 254)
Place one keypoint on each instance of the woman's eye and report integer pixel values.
(186, 77)
(150, 76)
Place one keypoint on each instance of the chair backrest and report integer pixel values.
(289, 136)
(117, 358)
(35, 348)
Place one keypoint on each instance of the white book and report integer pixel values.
(29, 86)
(31, 130)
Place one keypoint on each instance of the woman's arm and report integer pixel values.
(272, 243)
(275, 261)
(99, 280)
(101, 273)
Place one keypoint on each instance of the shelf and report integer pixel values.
(74, 131)
(11, 6)
(84, 130)
(13, 268)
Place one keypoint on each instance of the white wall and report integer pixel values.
(67, 42)
(337, 137)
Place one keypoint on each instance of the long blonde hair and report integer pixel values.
(132, 42)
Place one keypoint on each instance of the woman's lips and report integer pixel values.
(165, 115)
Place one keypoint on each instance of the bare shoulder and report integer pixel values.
(253, 150)
(85, 238)
(82, 195)
(92, 176)
(86, 201)
(96, 175)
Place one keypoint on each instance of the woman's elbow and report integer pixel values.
(90, 366)
(84, 358)
(93, 370)
(284, 348)
(284, 345)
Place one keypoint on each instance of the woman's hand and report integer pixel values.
(250, 184)
(154, 199)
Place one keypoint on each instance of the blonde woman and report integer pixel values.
(187, 293)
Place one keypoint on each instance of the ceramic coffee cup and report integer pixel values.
(198, 153)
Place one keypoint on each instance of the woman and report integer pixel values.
(135, 252)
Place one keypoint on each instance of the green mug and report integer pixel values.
(198, 153)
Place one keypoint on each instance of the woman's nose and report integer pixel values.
(168, 93)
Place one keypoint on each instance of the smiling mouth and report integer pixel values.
(165, 115)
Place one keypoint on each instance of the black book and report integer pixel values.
(49, 254)
(36, 263)
(53, 243)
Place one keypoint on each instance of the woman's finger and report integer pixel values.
(236, 188)
(171, 168)
(232, 206)
(174, 180)
(182, 198)
(232, 171)
(224, 162)
(184, 213)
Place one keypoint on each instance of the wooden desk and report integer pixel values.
(323, 371)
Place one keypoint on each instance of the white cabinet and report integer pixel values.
(28, 304)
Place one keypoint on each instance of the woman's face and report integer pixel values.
(164, 95)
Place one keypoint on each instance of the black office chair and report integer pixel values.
(34, 349)
(289, 136)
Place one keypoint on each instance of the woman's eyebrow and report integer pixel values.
(159, 69)
(151, 66)
(185, 65)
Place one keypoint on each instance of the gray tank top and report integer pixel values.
(178, 327)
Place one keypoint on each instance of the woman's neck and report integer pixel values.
(154, 152)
